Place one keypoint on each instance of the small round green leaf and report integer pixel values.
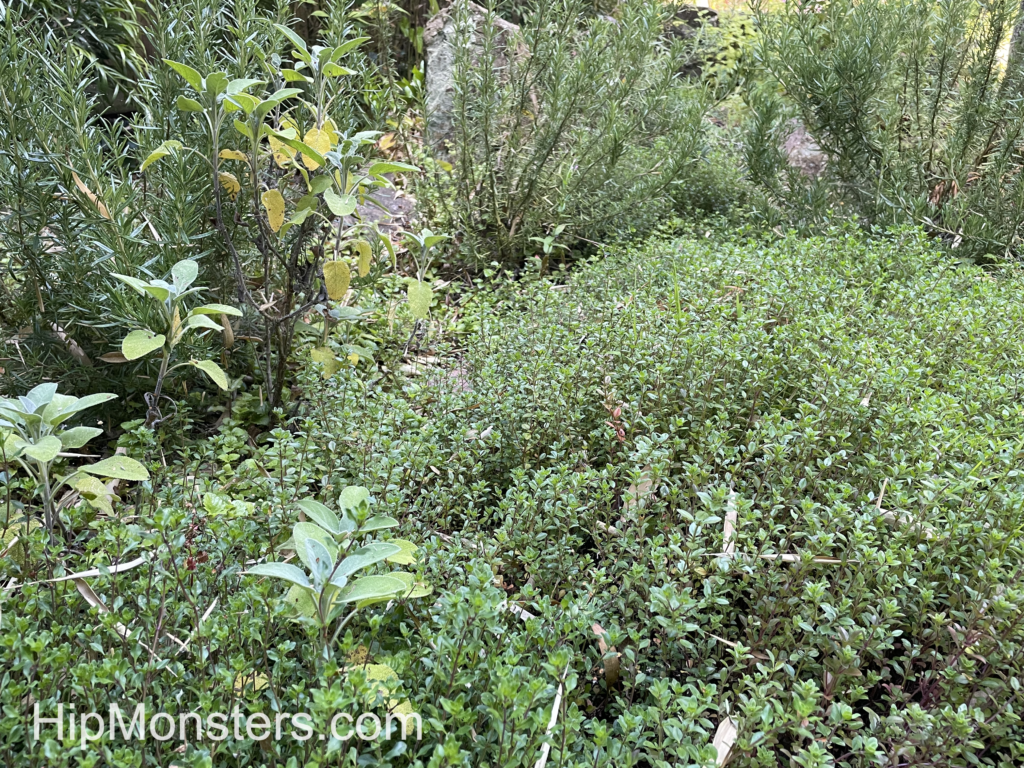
(340, 205)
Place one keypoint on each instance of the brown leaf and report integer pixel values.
(725, 737)
(76, 351)
(113, 357)
(608, 656)
(94, 600)
(229, 333)
(92, 197)
(636, 493)
(731, 644)
(729, 525)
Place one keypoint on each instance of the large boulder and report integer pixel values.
(439, 40)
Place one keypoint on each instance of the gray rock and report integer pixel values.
(439, 39)
(803, 152)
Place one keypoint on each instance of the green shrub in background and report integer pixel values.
(771, 482)
(108, 33)
(583, 121)
(913, 104)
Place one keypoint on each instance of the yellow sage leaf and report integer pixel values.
(254, 680)
(332, 133)
(317, 139)
(420, 296)
(229, 332)
(273, 201)
(327, 359)
(230, 184)
(337, 277)
(283, 154)
(234, 154)
(365, 255)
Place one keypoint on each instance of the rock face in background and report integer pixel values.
(686, 24)
(803, 152)
(687, 21)
(439, 44)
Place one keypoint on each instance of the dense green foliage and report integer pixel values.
(108, 33)
(692, 497)
(849, 411)
(916, 105)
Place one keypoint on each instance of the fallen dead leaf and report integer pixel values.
(636, 493)
(725, 737)
(119, 568)
(609, 657)
(729, 525)
(92, 197)
(756, 654)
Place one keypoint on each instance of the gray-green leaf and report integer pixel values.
(303, 532)
(42, 394)
(285, 571)
(216, 309)
(44, 450)
(118, 467)
(420, 296)
(140, 343)
(320, 560)
(186, 104)
(203, 321)
(321, 515)
(72, 405)
(214, 371)
(189, 75)
(77, 437)
(391, 167)
(352, 496)
(370, 588)
(169, 147)
(184, 273)
(366, 556)
(378, 523)
(340, 205)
